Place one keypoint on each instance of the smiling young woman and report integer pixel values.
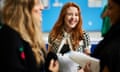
(68, 35)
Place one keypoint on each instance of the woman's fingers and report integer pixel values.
(54, 66)
(87, 67)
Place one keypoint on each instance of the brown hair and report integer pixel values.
(1, 6)
(17, 15)
(77, 33)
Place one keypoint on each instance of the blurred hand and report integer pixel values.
(81, 70)
(54, 66)
(87, 51)
(87, 67)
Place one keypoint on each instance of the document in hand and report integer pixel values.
(83, 59)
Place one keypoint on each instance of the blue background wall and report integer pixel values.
(91, 16)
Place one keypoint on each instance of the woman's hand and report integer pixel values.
(87, 67)
(87, 51)
(81, 70)
(54, 66)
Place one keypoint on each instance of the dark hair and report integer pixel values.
(116, 1)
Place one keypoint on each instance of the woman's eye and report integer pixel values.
(109, 7)
(76, 14)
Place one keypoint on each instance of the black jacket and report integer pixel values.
(108, 50)
(15, 54)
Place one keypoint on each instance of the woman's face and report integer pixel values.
(71, 17)
(37, 11)
(113, 11)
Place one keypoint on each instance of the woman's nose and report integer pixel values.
(41, 6)
(73, 16)
(105, 13)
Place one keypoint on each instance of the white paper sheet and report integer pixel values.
(67, 64)
(82, 59)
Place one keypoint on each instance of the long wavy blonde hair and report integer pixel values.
(17, 15)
